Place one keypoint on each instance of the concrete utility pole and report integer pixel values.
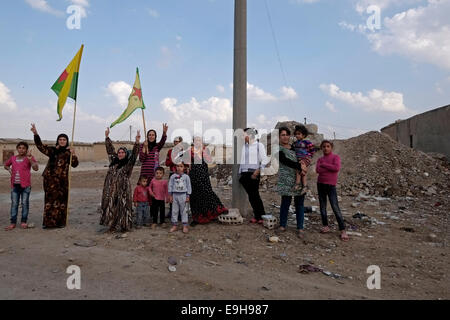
(239, 200)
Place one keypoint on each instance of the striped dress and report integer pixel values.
(150, 160)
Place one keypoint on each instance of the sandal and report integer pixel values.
(185, 230)
(10, 227)
(24, 225)
(260, 221)
(301, 234)
(344, 237)
(325, 230)
(174, 228)
(253, 221)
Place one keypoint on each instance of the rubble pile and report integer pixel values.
(375, 164)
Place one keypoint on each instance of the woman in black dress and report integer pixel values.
(205, 204)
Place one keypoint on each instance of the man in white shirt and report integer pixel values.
(253, 160)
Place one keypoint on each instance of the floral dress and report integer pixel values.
(56, 184)
(117, 202)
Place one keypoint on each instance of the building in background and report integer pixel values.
(427, 132)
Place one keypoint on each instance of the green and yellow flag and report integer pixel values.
(135, 101)
(67, 83)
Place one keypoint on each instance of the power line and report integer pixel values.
(283, 72)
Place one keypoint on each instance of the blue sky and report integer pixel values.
(339, 74)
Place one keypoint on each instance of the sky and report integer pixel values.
(339, 64)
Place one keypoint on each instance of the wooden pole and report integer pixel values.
(70, 162)
(145, 128)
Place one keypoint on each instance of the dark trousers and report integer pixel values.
(299, 203)
(158, 206)
(326, 190)
(251, 186)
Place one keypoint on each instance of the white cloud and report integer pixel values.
(330, 106)
(288, 93)
(375, 100)
(83, 4)
(7, 102)
(421, 34)
(362, 5)
(220, 88)
(121, 91)
(43, 6)
(258, 94)
(213, 111)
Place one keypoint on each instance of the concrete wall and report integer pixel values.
(427, 132)
(8, 147)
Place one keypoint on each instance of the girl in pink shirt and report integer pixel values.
(19, 167)
(159, 192)
(328, 168)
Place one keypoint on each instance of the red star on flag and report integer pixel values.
(137, 92)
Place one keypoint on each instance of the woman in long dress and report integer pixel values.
(117, 202)
(205, 204)
(56, 179)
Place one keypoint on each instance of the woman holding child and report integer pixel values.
(56, 179)
(117, 202)
(289, 166)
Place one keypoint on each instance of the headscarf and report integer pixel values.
(62, 149)
(122, 162)
(153, 144)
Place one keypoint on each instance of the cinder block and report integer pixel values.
(270, 222)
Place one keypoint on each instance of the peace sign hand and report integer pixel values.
(138, 136)
(165, 128)
(33, 129)
(107, 132)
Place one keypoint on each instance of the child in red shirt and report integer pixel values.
(141, 201)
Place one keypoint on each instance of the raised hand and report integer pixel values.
(138, 136)
(107, 133)
(33, 129)
(29, 155)
(165, 128)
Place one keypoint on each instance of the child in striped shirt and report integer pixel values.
(304, 150)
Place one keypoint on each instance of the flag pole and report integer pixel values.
(70, 162)
(72, 144)
(143, 116)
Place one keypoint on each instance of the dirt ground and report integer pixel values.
(406, 237)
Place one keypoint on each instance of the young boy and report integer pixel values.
(141, 201)
(20, 169)
(179, 190)
(159, 192)
(304, 149)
